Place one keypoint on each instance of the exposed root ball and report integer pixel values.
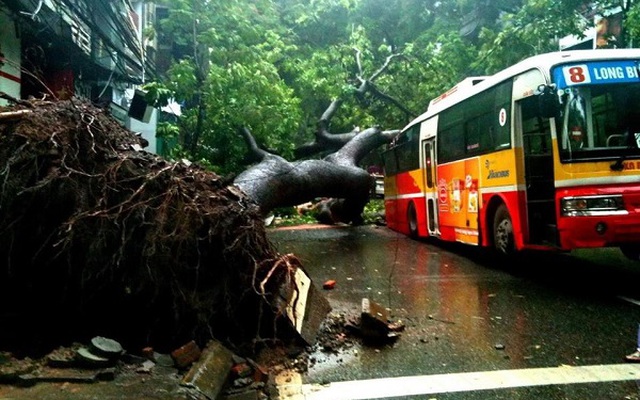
(98, 237)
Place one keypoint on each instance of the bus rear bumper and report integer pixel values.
(592, 232)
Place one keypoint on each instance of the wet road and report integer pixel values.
(546, 326)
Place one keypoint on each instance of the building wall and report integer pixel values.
(10, 50)
(108, 79)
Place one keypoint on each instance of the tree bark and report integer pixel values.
(275, 182)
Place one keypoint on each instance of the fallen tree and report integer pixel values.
(99, 237)
(275, 182)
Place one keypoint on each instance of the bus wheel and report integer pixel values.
(631, 251)
(503, 240)
(413, 221)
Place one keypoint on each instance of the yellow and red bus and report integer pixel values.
(542, 155)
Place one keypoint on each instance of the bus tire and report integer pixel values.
(503, 240)
(412, 220)
(631, 251)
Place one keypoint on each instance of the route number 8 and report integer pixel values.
(576, 74)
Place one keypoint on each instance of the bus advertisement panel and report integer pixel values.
(542, 155)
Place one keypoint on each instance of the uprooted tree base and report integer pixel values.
(100, 238)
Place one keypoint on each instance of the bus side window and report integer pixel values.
(450, 144)
(473, 130)
(535, 129)
(390, 161)
(451, 138)
(502, 130)
(488, 138)
(407, 151)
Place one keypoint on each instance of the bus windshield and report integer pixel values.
(599, 122)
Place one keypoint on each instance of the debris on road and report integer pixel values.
(374, 326)
(328, 285)
(102, 236)
(186, 355)
(210, 371)
(217, 373)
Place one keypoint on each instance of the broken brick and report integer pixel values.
(241, 370)
(330, 284)
(148, 353)
(260, 374)
(186, 355)
(307, 308)
(397, 326)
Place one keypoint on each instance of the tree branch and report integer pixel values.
(324, 140)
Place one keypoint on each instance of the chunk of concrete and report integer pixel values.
(373, 310)
(105, 347)
(73, 375)
(209, 374)
(374, 323)
(307, 307)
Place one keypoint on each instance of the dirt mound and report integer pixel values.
(99, 237)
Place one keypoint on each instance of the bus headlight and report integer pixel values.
(592, 205)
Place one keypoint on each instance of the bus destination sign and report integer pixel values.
(595, 73)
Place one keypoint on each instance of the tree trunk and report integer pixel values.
(275, 182)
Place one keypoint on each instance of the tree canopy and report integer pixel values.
(274, 66)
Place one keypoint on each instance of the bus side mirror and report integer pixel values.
(548, 102)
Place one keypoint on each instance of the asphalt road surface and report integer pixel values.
(543, 326)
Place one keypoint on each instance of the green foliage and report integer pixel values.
(533, 28)
(252, 96)
(275, 65)
(157, 94)
(167, 130)
(632, 23)
(374, 211)
(289, 216)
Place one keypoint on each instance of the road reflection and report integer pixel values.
(465, 310)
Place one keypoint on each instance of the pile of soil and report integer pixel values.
(99, 237)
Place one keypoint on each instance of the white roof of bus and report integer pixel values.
(545, 61)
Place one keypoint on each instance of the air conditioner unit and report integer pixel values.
(139, 109)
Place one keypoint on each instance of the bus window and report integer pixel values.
(476, 126)
(390, 162)
(451, 134)
(406, 150)
(428, 164)
(535, 129)
(599, 119)
(575, 133)
(450, 144)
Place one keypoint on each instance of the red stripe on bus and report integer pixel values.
(10, 77)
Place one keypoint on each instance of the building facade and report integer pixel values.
(97, 50)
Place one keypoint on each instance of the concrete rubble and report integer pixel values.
(211, 373)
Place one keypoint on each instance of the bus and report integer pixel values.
(543, 155)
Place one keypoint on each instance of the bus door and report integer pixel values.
(430, 187)
(539, 176)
